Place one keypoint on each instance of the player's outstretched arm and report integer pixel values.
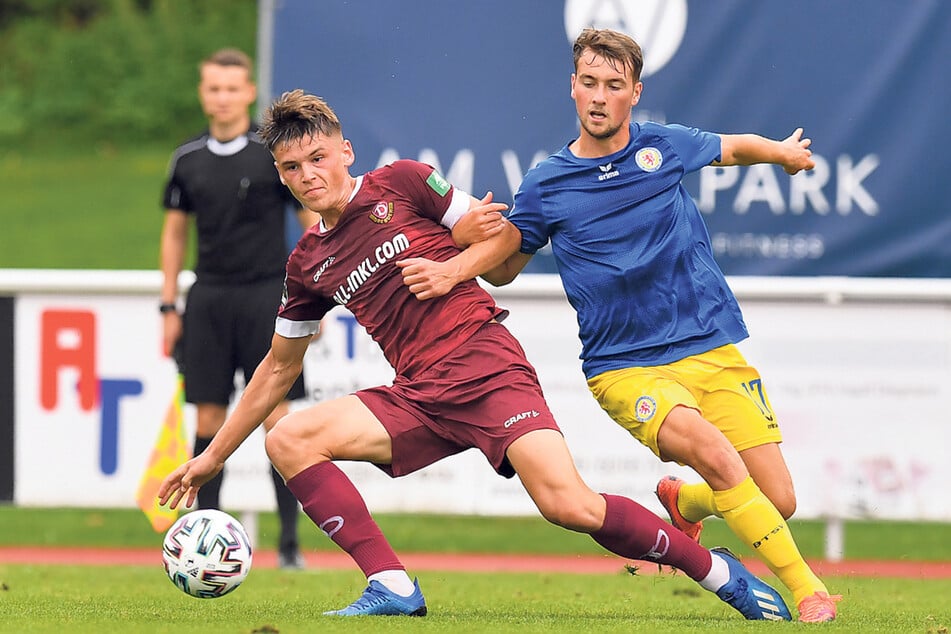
(271, 381)
(792, 153)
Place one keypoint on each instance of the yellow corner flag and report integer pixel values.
(170, 450)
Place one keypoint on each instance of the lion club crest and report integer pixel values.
(382, 213)
(649, 159)
(644, 409)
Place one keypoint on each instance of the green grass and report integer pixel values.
(90, 209)
(134, 599)
(140, 599)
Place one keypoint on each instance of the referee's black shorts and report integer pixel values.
(227, 328)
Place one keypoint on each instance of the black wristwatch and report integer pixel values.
(167, 308)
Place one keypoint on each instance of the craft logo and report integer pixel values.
(381, 214)
(320, 271)
(644, 409)
(649, 159)
(522, 416)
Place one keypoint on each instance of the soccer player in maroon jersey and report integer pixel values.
(462, 380)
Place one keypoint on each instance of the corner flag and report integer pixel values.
(170, 450)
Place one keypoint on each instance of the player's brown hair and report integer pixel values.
(230, 57)
(613, 46)
(296, 115)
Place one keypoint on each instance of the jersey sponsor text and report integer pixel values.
(358, 276)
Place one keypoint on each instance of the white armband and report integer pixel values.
(457, 208)
(296, 329)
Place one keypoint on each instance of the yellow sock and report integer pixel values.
(754, 519)
(695, 502)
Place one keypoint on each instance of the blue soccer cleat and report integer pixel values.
(377, 600)
(752, 597)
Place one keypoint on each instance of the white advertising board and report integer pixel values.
(859, 388)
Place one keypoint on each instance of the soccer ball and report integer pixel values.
(207, 553)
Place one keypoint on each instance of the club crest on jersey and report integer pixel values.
(649, 159)
(382, 213)
(644, 409)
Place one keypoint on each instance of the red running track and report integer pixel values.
(578, 564)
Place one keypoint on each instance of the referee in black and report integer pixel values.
(226, 180)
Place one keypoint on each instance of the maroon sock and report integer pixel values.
(338, 509)
(631, 531)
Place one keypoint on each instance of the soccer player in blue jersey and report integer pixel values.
(657, 320)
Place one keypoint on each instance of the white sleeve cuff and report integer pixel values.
(295, 329)
(457, 208)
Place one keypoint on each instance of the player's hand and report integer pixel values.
(799, 156)
(427, 279)
(184, 482)
(171, 331)
(481, 222)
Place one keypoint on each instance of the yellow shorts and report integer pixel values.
(719, 384)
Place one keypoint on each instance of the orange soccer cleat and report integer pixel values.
(667, 491)
(818, 607)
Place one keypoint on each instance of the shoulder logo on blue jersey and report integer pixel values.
(644, 409)
(382, 213)
(649, 159)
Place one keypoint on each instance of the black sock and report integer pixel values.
(209, 495)
(288, 510)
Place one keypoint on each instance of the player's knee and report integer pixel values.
(785, 503)
(281, 443)
(720, 465)
(571, 514)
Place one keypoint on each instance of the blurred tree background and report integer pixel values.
(113, 72)
(94, 97)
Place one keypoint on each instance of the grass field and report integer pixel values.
(131, 599)
(89, 209)
(35, 598)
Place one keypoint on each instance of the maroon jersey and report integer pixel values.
(394, 214)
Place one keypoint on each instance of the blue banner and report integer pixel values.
(481, 91)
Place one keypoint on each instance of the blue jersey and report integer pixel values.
(632, 249)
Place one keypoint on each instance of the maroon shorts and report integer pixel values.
(483, 395)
